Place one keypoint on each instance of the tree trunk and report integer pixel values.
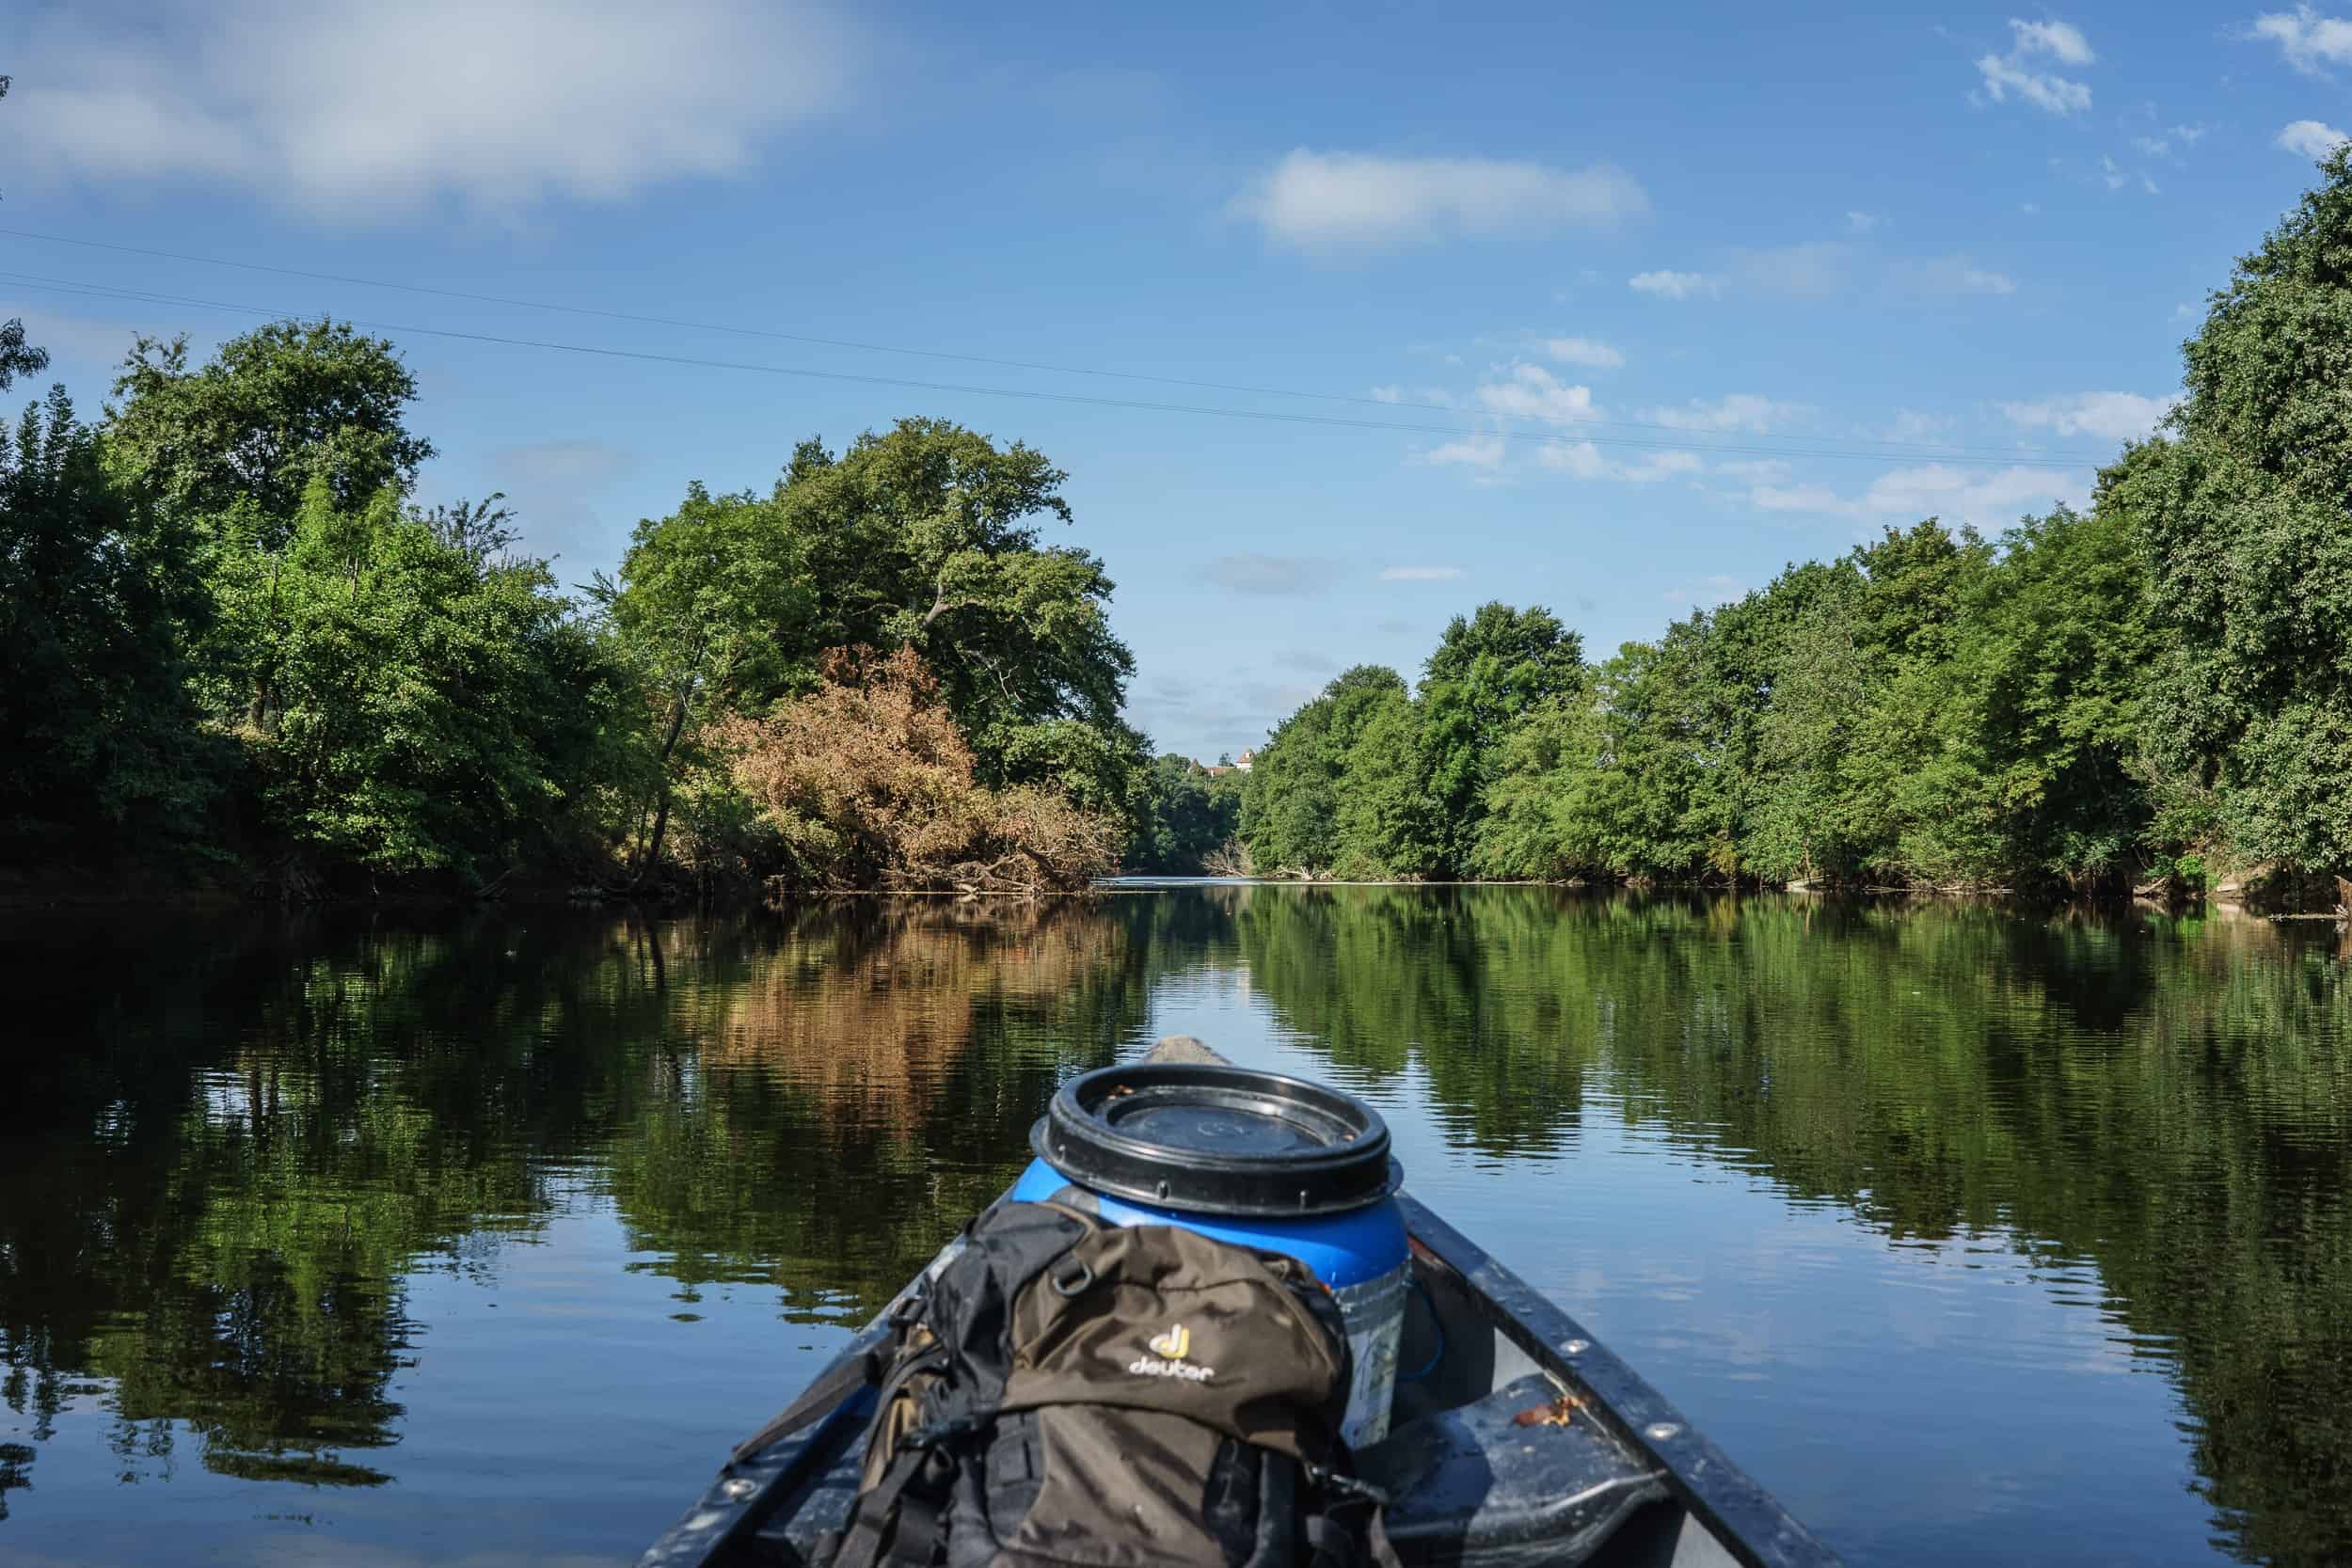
(661, 811)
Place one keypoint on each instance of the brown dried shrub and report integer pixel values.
(870, 785)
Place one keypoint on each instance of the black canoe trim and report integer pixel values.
(1744, 1519)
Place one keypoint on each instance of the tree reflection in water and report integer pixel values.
(229, 1152)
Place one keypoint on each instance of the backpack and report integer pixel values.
(1069, 1393)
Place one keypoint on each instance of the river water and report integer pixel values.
(1978, 1236)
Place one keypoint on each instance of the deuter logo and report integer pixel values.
(1169, 1348)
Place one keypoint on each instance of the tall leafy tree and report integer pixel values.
(413, 705)
(274, 410)
(1291, 804)
(1489, 672)
(2241, 513)
(98, 599)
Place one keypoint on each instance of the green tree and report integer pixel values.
(276, 409)
(1192, 818)
(1291, 803)
(923, 537)
(1487, 674)
(99, 596)
(2241, 513)
(713, 606)
(413, 705)
(1382, 815)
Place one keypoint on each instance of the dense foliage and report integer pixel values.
(235, 639)
(1189, 821)
(2133, 695)
(870, 785)
(233, 634)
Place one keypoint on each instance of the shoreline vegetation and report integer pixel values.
(247, 660)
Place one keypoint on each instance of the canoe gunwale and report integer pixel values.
(1745, 1520)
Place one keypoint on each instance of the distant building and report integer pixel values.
(1241, 764)
(1246, 761)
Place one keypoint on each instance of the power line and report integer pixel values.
(85, 289)
(1889, 448)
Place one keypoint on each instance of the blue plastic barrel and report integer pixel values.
(1252, 1158)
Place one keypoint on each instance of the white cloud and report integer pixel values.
(1910, 424)
(2116, 416)
(2187, 135)
(1532, 392)
(1947, 276)
(2184, 312)
(1396, 393)
(1672, 285)
(2155, 146)
(2010, 72)
(1989, 500)
(1273, 575)
(1756, 470)
(2308, 40)
(1585, 352)
(2115, 176)
(2309, 138)
(1421, 573)
(1474, 451)
(1583, 460)
(366, 110)
(1341, 199)
(1861, 223)
(2061, 40)
(1814, 270)
(1739, 411)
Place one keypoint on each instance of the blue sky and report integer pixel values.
(1616, 311)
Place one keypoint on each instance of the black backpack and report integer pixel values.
(1068, 1393)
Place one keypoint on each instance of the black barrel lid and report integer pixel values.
(1218, 1140)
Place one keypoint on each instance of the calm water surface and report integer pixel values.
(1977, 1236)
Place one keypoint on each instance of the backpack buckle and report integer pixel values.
(1066, 1283)
(937, 1433)
(1345, 1486)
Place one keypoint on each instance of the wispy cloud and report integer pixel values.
(1949, 277)
(1470, 451)
(1271, 576)
(1739, 411)
(2310, 42)
(2016, 72)
(1820, 269)
(1986, 500)
(2309, 138)
(1861, 223)
(1421, 573)
(1583, 460)
(1585, 352)
(2116, 416)
(366, 110)
(1327, 199)
(1672, 285)
(1532, 392)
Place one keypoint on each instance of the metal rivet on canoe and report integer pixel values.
(1660, 1430)
(736, 1488)
(1576, 1347)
